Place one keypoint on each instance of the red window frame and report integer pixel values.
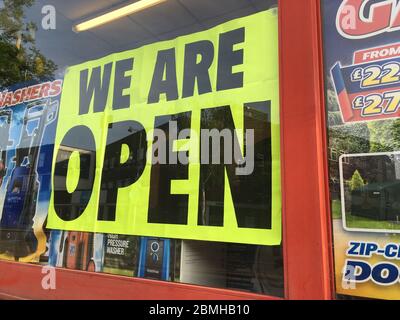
(306, 209)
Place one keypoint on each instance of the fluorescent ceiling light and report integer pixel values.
(115, 14)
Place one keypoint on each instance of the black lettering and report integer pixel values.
(97, 86)
(70, 206)
(197, 71)
(116, 175)
(251, 194)
(165, 65)
(228, 58)
(164, 207)
(122, 82)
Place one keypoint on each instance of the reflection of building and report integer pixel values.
(381, 168)
(334, 176)
(73, 203)
(250, 192)
(374, 192)
(377, 201)
(124, 163)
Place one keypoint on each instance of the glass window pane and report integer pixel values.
(193, 70)
(362, 68)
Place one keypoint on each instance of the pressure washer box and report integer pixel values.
(121, 254)
(154, 261)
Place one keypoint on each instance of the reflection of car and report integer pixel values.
(377, 201)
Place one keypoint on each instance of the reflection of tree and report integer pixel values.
(246, 190)
(385, 135)
(20, 60)
(333, 114)
(332, 103)
(351, 138)
(356, 181)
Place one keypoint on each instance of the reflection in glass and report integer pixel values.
(30, 53)
(20, 58)
(371, 186)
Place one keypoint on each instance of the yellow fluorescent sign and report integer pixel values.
(105, 178)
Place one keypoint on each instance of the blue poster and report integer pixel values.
(28, 119)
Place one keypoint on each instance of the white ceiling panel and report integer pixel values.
(209, 9)
(121, 32)
(164, 21)
(165, 17)
(78, 9)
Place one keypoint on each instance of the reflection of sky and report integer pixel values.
(337, 48)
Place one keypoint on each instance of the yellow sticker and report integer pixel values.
(113, 111)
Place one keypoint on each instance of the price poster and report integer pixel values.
(362, 81)
(369, 89)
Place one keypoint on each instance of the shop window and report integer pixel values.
(173, 69)
(362, 77)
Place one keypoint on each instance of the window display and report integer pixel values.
(362, 76)
(126, 108)
(158, 149)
